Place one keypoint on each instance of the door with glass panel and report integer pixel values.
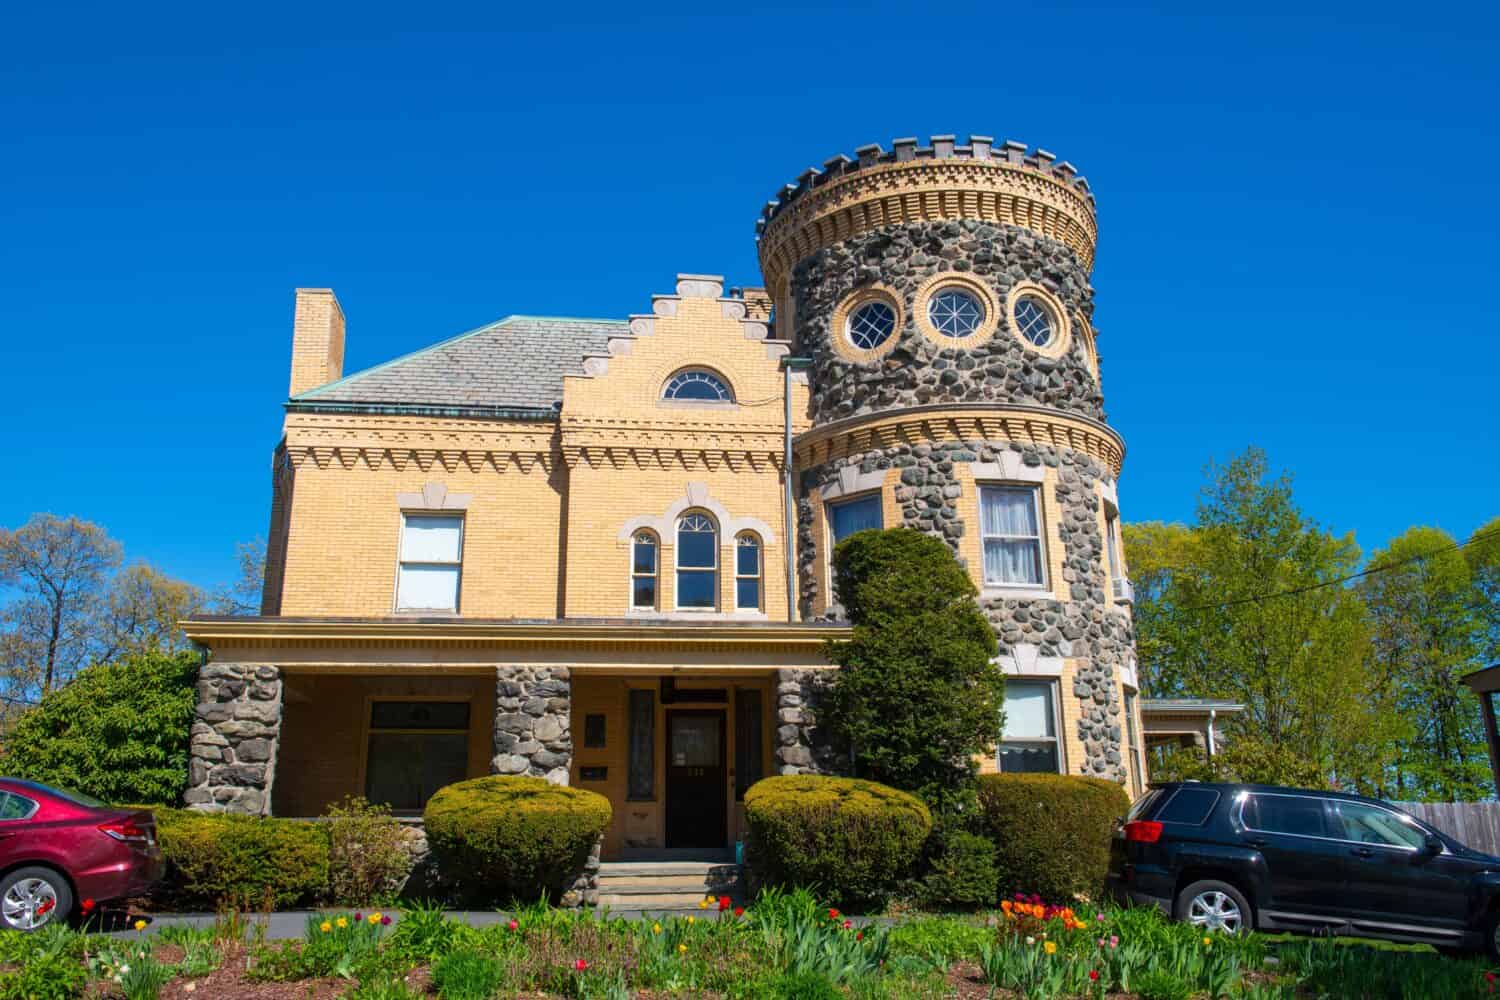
(697, 803)
(415, 748)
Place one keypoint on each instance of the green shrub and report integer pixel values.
(367, 857)
(243, 860)
(917, 692)
(49, 976)
(852, 840)
(960, 873)
(940, 940)
(514, 838)
(1051, 831)
(116, 731)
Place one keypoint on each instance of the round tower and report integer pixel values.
(942, 293)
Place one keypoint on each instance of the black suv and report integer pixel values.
(1232, 857)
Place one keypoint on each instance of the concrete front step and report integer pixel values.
(676, 884)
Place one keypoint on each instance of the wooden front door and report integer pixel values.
(696, 778)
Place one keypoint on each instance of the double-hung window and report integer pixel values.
(859, 514)
(697, 562)
(431, 560)
(1137, 757)
(1011, 528)
(1029, 741)
(643, 552)
(747, 572)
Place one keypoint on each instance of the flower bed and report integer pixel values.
(783, 947)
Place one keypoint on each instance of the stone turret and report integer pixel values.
(942, 293)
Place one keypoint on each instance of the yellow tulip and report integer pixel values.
(1050, 947)
(656, 928)
(325, 927)
(682, 949)
(140, 925)
(373, 918)
(342, 922)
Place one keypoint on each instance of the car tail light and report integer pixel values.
(1143, 831)
(125, 830)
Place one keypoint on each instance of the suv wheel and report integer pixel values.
(32, 898)
(1492, 935)
(1214, 906)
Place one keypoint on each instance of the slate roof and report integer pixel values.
(517, 363)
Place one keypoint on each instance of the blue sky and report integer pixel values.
(1298, 226)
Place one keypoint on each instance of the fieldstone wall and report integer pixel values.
(533, 722)
(919, 371)
(801, 747)
(1085, 628)
(236, 730)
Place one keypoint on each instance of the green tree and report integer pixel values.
(140, 613)
(917, 695)
(118, 731)
(1426, 633)
(1247, 604)
(1483, 556)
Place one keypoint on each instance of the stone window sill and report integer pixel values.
(1018, 593)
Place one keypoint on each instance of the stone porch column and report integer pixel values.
(800, 746)
(534, 722)
(237, 728)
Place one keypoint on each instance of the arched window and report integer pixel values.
(698, 385)
(643, 551)
(697, 562)
(747, 564)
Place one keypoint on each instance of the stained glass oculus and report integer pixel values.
(955, 313)
(871, 325)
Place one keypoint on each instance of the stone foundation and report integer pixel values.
(235, 734)
(533, 723)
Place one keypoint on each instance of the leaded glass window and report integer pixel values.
(871, 325)
(696, 384)
(1034, 321)
(955, 313)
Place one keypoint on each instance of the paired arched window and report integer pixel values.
(747, 570)
(697, 385)
(697, 562)
(644, 553)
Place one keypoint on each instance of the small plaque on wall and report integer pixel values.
(593, 773)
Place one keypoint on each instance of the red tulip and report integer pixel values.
(723, 903)
(385, 920)
(1093, 975)
(833, 914)
(513, 925)
(739, 911)
(87, 905)
(580, 965)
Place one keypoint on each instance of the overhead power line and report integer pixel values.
(1369, 571)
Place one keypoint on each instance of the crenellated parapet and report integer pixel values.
(1007, 183)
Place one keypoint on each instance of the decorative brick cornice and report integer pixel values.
(976, 422)
(1002, 184)
(354, 441)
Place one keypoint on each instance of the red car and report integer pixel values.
(59, 848)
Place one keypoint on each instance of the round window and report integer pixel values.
(955, 313)
(871, 325)
(1034, 321)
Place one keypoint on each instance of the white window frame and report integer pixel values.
(759, 576)
(1133, 735)
(655, 574)
(1055, 739)
(678, 569)
(1035, 490)
(402, 562)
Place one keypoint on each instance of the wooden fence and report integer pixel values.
(1476, 824)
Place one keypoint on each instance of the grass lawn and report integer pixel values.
(783, 947)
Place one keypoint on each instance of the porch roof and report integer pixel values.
(407, 642)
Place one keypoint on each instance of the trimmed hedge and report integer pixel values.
(1051, 831)
(243, 860)
(851, 840)
(514, 838)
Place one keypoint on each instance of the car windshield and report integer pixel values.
(77, 798)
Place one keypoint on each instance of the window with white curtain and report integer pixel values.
(848, 516)
(1029, 740)
(431, 560)
(1011, 527)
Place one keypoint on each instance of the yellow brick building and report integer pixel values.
(596, 550)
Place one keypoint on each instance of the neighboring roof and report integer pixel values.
(517, 363)
(1190, 705)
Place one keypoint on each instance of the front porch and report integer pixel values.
(670, 722)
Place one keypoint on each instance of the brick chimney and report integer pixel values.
(317, 340)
